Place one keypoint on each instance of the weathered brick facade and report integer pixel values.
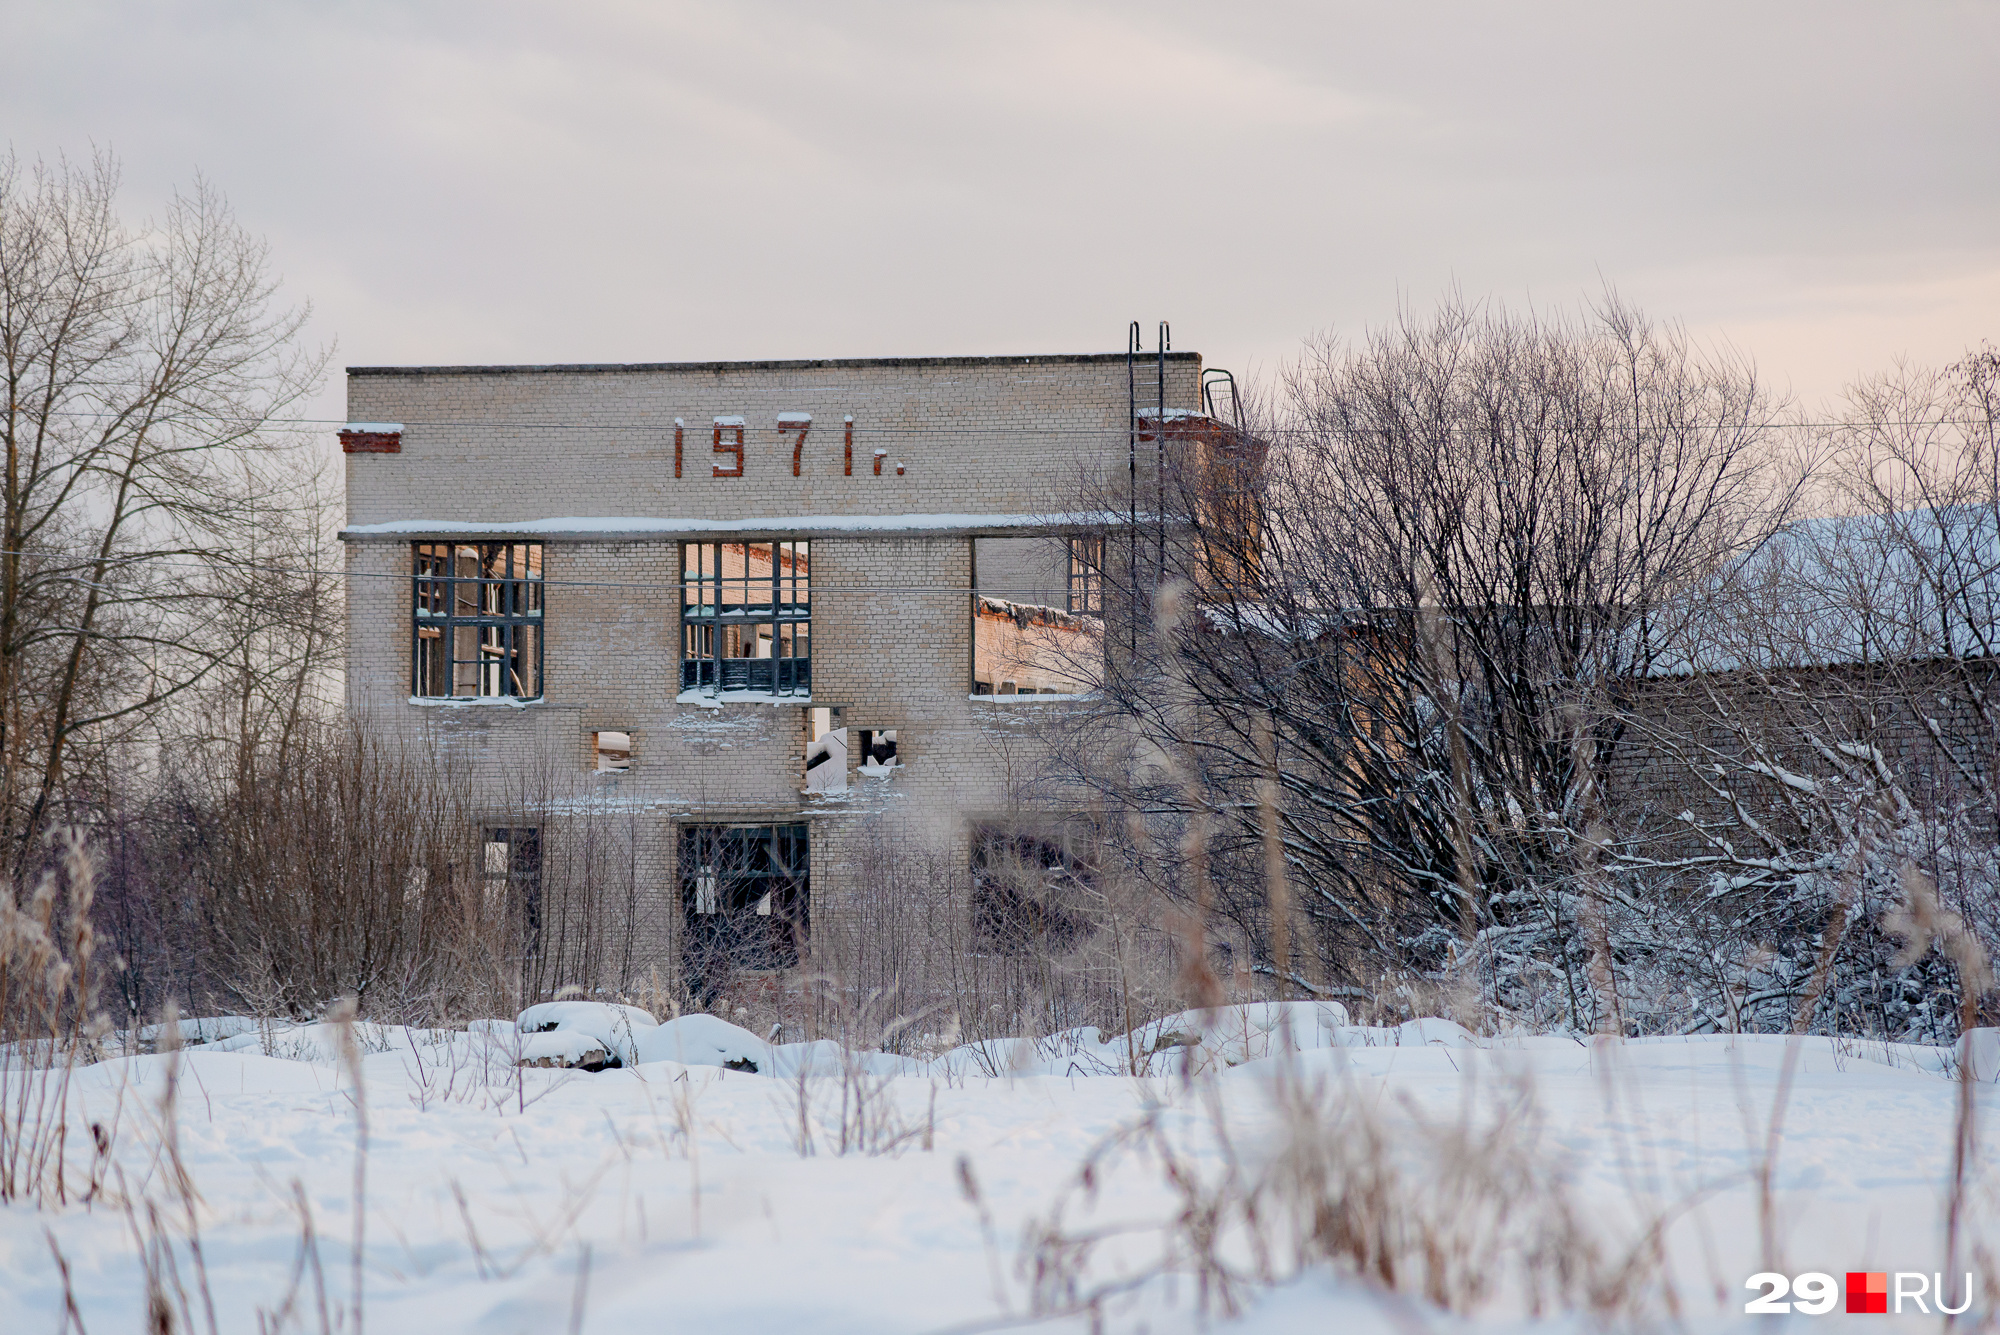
(982, 459)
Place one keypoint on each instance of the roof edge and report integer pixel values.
(810, 364)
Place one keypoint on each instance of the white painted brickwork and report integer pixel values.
(892, 622)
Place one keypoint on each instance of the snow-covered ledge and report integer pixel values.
(612, 527)
(708, 701)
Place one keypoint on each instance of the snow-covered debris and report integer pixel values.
(320, 1043)
(614, 1029)
(1233, 1035)
(564, 1047)
(705, 1040)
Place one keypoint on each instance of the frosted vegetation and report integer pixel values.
(1583, 1044)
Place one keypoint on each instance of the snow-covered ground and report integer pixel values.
(673, 1195)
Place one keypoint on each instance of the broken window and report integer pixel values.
(1027, 639)
(877, 750)
(1023, 649)
(512, 867)
(1030, 891)
(826, 753)
(746, 617)
(1086, 576)
(613, 751)
(744, 899)
(478, 620)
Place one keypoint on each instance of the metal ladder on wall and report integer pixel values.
(1145, 393)
(1146, 399)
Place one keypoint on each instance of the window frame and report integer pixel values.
(519, 884)
(502, 606)
(1011, 917)
(1084, 587)
(711, 621)
(727, 925)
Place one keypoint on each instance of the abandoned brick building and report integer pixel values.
(759, 608)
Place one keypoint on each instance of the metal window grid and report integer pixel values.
(476, 623)
(746, 617)
(1086, 576)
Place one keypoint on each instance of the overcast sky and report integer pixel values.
(1817, 183)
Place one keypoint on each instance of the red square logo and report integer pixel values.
(1867, 1291)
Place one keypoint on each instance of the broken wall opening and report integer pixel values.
(826, 752)
(1037, 615)
(611, 751)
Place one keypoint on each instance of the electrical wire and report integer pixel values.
(315, 425)
(640, 585)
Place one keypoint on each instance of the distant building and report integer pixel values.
(755, 607)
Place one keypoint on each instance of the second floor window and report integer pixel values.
(478, 620)
(746, 617)
(1086, 576)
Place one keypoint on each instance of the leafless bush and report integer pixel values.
(365, 866)
(932, 953)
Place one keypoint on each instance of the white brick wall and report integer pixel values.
(891, 613)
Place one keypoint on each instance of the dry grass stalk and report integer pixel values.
(1277, 883)
(1921, 921)
(1199, 985)
(1460, 1214)
(49, 1025)
(1591, 847)
(342, 1018)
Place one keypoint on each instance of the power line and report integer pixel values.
(333, 573)
(315, 425)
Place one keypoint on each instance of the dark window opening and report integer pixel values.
(1086, 576)
(744, 901)
(878, 749)
(512, 868)
(746, 617)
(1029, 892)
(478, 620)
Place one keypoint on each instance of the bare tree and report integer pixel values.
(1835, 724)
(144, 367)
(1459, 539)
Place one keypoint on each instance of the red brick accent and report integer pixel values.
(371, 442)
(799, 445)
(1218, 436)
(734, 447)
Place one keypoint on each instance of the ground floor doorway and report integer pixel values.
(745, 901)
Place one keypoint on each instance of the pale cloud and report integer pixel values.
(510, 181)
